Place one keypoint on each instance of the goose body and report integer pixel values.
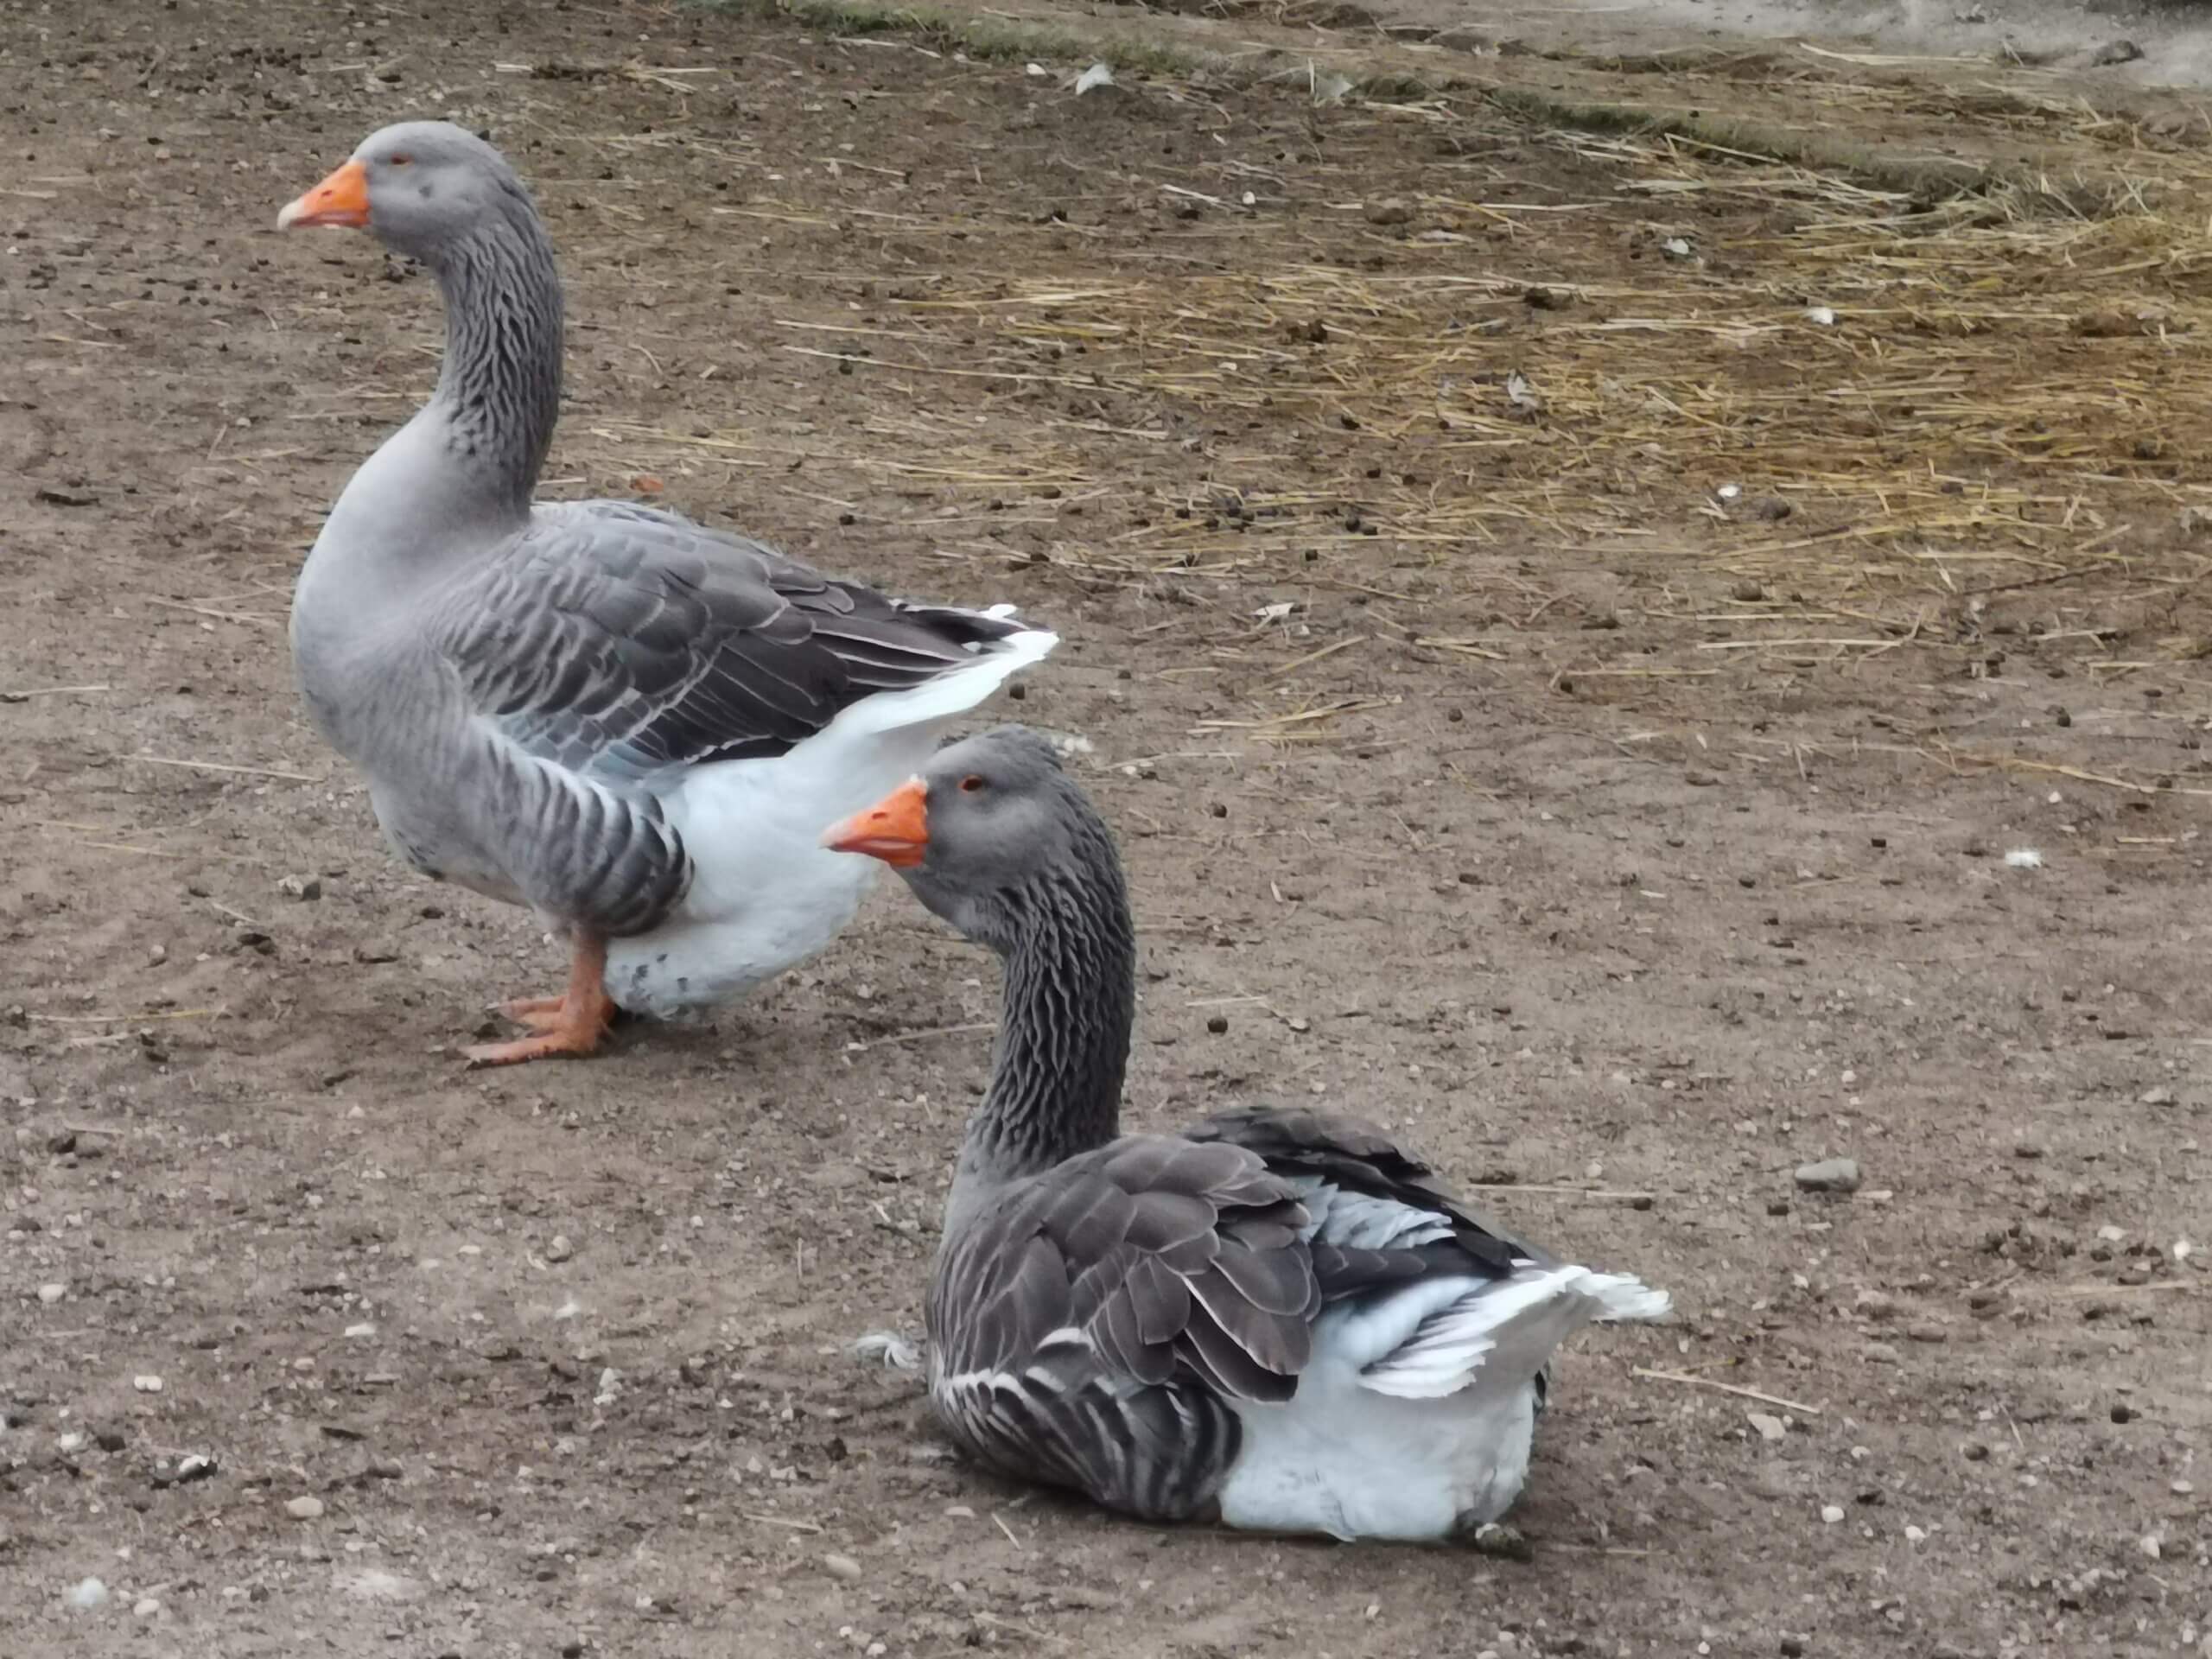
(1277, 1320)
(630, 722)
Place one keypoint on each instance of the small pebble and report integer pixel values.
(304, 1508)
(86, 1595)
(1389, 210)
(145, 1607)
(560, 1250)
(146, 1384)
(1831, 1513)
(1768, 1426)
(1829, 1175)
(52, 1294)
(841, 1566)
(1217, 1023)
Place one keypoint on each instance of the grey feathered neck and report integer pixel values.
(1069, 1001)
(499, 385)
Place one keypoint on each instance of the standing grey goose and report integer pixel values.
(1277, 1319)
(634, 724)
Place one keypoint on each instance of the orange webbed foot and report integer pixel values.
(568, 1026)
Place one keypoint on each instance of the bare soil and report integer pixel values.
(1503, 838)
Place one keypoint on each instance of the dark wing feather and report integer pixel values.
(616, 641)
(1359, 1157)
(1093, 1328)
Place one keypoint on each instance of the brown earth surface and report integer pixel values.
(1559, 697)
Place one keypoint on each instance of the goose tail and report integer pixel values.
(1499, 1337)
(955, 691)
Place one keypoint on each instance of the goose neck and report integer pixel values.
(1062, 1049)
(498, 393)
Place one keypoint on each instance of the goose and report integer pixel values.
(1277, 1320)
(631, 723)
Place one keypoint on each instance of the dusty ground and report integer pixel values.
(2145, 42)
(1492, 768)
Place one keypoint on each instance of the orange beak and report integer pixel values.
(342, 199)
(895, 830)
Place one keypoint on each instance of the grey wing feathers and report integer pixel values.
(1109, 1312)
(618, 640)
(1166, 1256)
(1358, 1157)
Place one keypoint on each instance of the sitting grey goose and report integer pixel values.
(1277, 1320)
(631, 723)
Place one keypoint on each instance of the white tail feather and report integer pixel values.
(1503, 1333)
(949, 694)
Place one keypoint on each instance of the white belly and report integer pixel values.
(1340, 1459)
(765, 894)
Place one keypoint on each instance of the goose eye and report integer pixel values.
(971, 785)
(403, 160)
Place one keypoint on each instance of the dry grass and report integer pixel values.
(1837, 405)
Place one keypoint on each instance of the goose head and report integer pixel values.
(419, 186)
(991, 834)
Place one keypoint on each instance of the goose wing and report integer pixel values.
(1095, 1327)
(614, 645)
(617, 641)
(1371, 1195)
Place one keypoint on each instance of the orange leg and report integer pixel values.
(569, 1026)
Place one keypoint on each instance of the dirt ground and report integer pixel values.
(2148, 42)
(1598, 794)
